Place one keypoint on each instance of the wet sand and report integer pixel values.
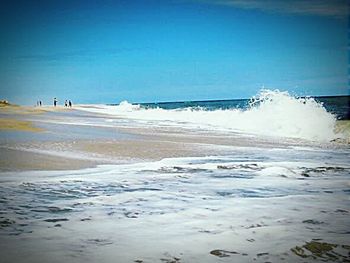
(18, 160)
(48, 138)
(32, 140)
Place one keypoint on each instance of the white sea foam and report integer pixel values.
(157, 211)
(271, 113)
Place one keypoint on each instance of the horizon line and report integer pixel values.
(217, 100)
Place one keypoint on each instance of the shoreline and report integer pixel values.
(89, 187)
(88, 140)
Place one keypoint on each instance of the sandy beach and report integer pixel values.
(49, 143)
(49, 138)
(43, 143)
(174, 131)
(82, 186)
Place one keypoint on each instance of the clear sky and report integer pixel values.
(146, 51)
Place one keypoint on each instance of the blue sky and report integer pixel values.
(147, 51)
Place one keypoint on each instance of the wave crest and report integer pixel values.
(270, 113)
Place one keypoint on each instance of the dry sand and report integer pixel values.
(13, 124)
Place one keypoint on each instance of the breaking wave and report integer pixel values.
(270, 113)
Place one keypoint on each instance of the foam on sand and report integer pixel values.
(251, 206)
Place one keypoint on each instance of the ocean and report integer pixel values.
(338, 105)
(271, 185)
(269, 114)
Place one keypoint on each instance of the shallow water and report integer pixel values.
(253, 205)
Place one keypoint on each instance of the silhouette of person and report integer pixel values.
(40, 103)
(65, 103)
(55, 102)
(70, 103)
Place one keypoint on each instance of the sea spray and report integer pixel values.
(270, 113)
(125, 106)
(278, 113)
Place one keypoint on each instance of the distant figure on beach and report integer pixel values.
(70, 103)
(40, 103)
(65, 103)
(55, 102)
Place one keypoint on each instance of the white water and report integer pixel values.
(271, 113)
(258, 203)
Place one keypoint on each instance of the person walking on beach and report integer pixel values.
(54, 102)
(70, 104)
(40, 103)
(65, 103)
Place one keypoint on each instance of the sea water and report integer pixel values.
(338, 105)
(278, 204)
(270, 113)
